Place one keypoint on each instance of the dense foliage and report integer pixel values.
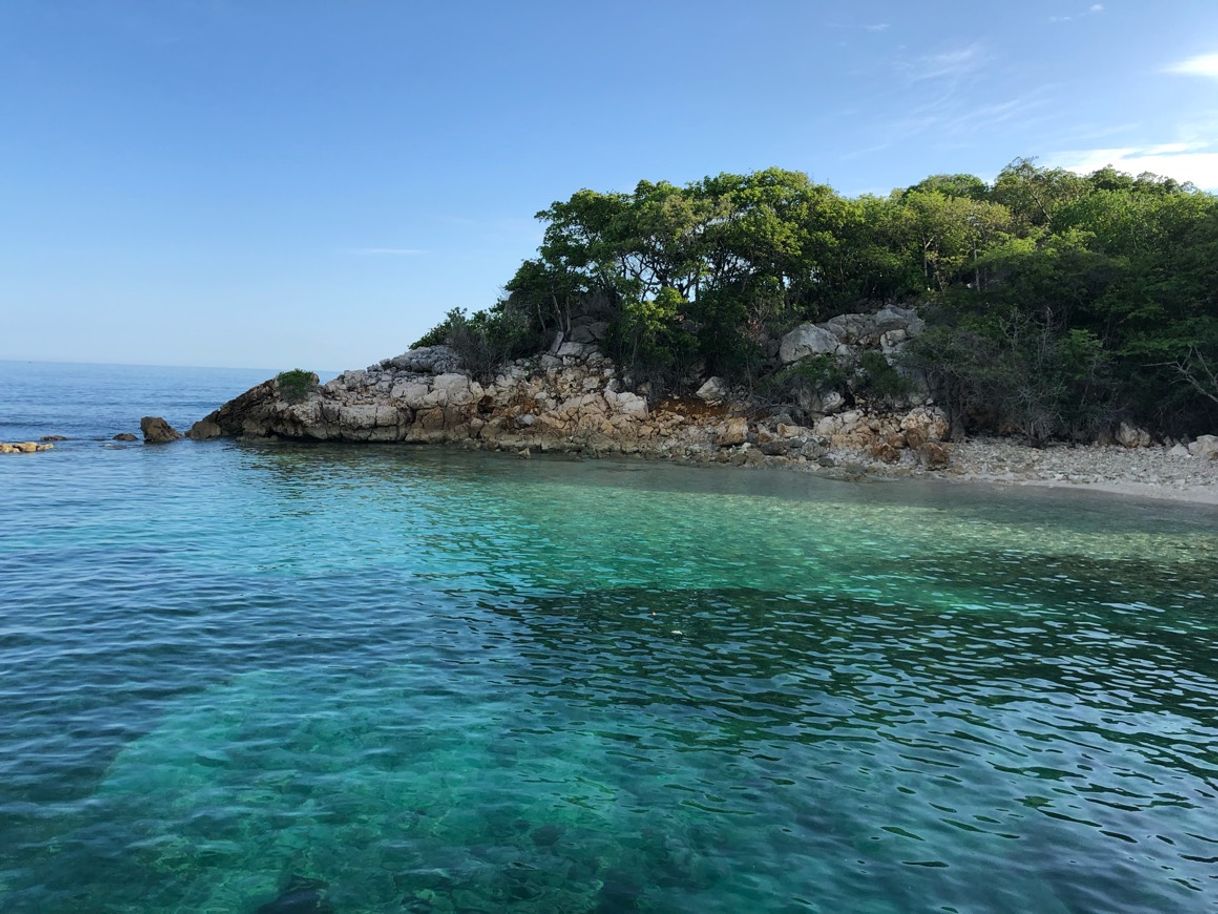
(1057, 303)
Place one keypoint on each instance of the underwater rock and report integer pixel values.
(124, 436)
(301, 896)
(547, 835)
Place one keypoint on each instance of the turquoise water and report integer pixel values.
(366, 678)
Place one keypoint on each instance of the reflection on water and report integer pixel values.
(385, 679)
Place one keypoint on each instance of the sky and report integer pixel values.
(314, 184)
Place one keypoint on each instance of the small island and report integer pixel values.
(763, 319)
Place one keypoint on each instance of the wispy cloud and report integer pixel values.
(388, 252)
(1201, 65)
(951, 64)
(878, 27)
(1188, 161)
(1092, 10)
(955, 121)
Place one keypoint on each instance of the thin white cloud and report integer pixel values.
(389, 252)
(951, 64)
(1091, 11)
(878, 27)
(1196, 161)
(1201, 65)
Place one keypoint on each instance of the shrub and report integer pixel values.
(879, 379)
(295, 385)
(814, 372)
(485, 340)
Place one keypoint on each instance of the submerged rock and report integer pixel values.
(124, 436)
(157, 431)
(301, 896)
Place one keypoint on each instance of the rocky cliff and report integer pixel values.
(573, 398)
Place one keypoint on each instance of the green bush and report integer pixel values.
(295, 385)
(879, 379)
(814, 372)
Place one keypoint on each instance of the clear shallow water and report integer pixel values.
(436, 681)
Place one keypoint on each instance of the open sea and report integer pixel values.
(282, 678)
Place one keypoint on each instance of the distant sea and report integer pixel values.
(82, 400)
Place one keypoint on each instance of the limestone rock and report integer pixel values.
(425, 360)
(935, 455)
(805, 340)
(886, 452)
(24, 447)
(157, 431)
(1128, 435)
(733, 432)
(713, 391)
(924, 424)
(1206, 447)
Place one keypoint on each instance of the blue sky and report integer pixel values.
(279, 184)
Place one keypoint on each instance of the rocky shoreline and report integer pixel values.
(573, 399)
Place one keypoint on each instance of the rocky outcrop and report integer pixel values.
(157, 431)
(889, 330)
(124, 436)
(24, 447)
(571, 398)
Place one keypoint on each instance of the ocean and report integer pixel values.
(269, 676)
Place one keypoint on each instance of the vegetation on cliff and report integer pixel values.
(1057, 303)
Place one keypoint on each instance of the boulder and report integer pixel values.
(733, 432)
(822, 402)
(53, 438)
(805, 340)
(786, 430)
(124, 436)
(1206, 447)
(591, 332)
(884, 451)
(629, 404)
(157, 431)
(934, 455)
(425, 360)
(572, 350)
(1131, 436)
(713, 391)
(1178, 450)
(924, 424)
